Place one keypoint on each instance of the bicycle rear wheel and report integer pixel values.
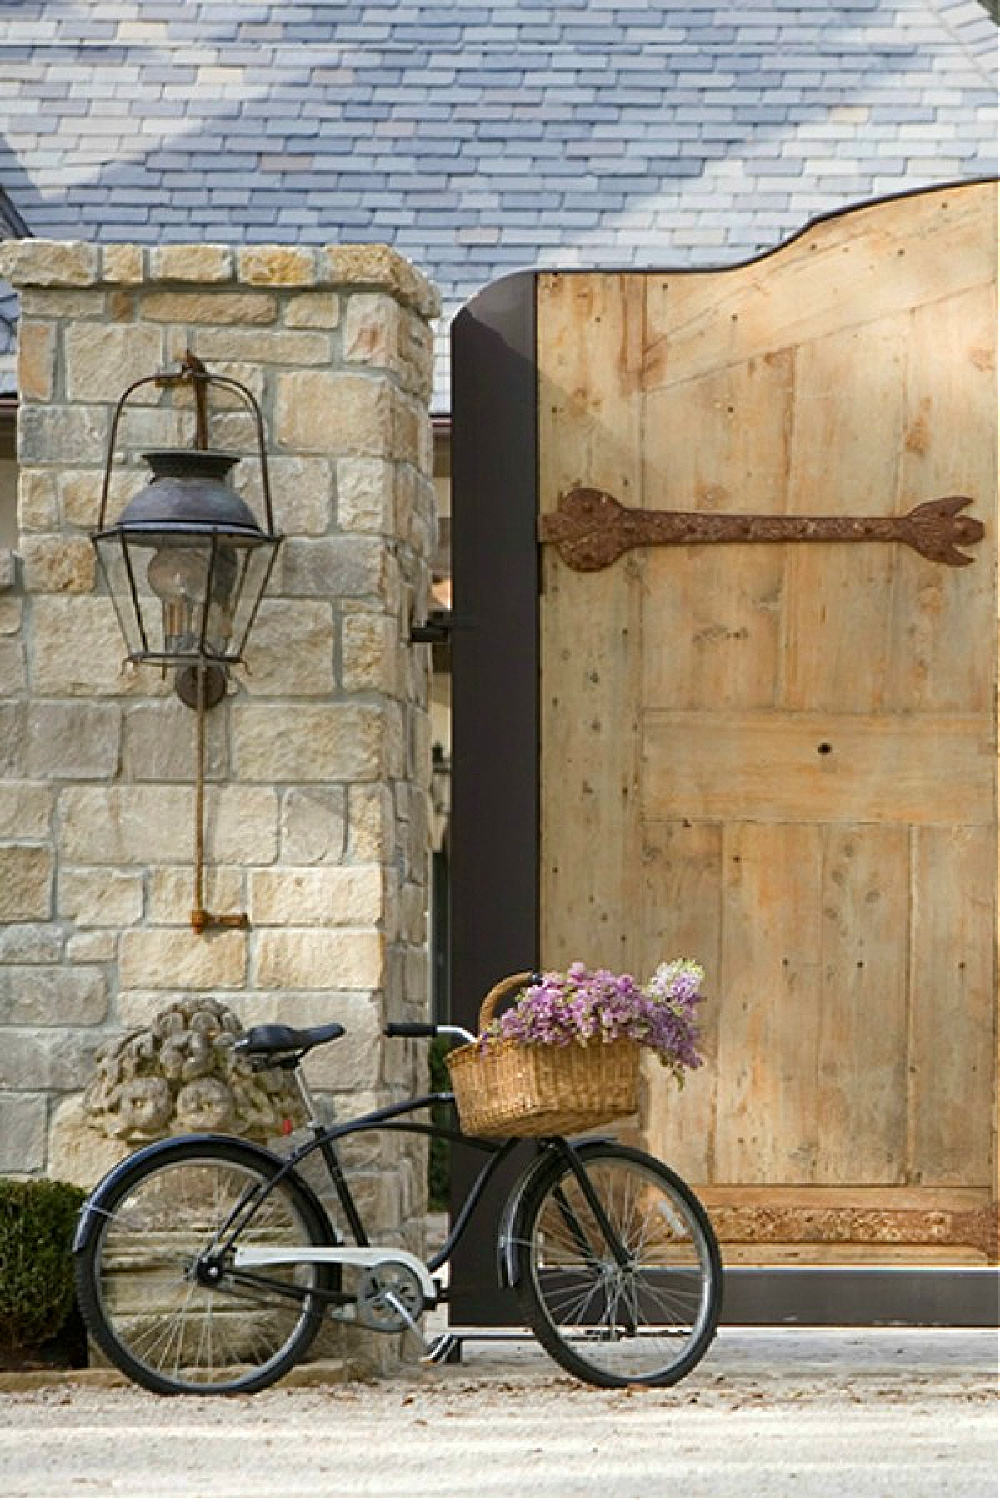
(170, 1313)
(638, 1307)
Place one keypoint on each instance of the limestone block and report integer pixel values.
(380, 267)
(25, 883)
(36, 361)
(370, 646)
(160, 742)
(242, 825)
(70, 435)
(365, 494)
(92, 948)
(191, 263)
(101, 362)
(371, 330)
(78, 650)
(277, 265)
(73, 741)
(77, 1152)
(337, 896)
(338, 567)
(37, 505)
(8, 569)
(31, 943)
(97, 897)
(411, 437)
(48, 262)
(317, 959)
(57, 564)
(171, 894)
(290, 651)
(11, 614)
(321, 410)
(146, 427)
(25, 808)
(302, 493)
(124, 264)
(83, 306)
(308, 742)
(312, 310)
(22, 1132)
(313, 825)
(127, 825)
(210, 307)
(13, 674)
(58, 1058)
(11, 739)
(56, 996)
(165, 958)
(254, 347)
(79, 494)
(352, 1061)
(370, 820)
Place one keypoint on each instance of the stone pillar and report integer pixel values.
(318, 760)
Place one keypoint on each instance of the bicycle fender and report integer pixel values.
(509, 1234)
(91, 1213)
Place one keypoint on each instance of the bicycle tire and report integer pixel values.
(136, 1270)
(647, 1322)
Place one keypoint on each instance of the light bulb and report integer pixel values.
(177, 576)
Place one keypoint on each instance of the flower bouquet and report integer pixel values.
(565, 1056)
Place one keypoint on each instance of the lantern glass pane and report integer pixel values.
(251, 580)
(113, 558)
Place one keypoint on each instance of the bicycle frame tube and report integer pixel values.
(390, 1117)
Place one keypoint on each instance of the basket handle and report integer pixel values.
(497, 993)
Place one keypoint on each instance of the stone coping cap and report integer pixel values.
(79, 263)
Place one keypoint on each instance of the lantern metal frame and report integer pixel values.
(201, 668)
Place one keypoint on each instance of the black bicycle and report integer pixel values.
(206, 1264)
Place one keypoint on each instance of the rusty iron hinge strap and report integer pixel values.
(591, 529)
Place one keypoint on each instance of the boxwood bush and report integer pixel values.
(37, 1219)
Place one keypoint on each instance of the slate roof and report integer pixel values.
(480, 138)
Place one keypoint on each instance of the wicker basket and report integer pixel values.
(529, 1089)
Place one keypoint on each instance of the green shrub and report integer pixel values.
(37, 1219)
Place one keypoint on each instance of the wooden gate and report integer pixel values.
(768, 743)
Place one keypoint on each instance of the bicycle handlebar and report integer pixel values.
(426, 1029)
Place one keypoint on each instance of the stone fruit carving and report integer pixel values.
(180, 1074)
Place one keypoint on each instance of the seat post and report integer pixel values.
(313, 1120)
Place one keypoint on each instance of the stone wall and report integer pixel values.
(318, 762)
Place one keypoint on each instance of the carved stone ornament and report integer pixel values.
(591, 529)
(180, 1074)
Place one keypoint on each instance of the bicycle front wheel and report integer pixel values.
(170, 1309)
(622, 1287)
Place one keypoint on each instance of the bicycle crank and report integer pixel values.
(390, 1297)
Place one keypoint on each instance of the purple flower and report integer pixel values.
(583, 1005)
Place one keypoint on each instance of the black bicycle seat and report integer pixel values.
(266, 1041)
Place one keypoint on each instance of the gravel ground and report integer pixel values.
(901, 1413)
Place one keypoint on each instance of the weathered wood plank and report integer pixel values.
(953, 1006)
(879, 260)
(848, 418)
(589, 349)
(714, 615)
(861, 1061)
(921, 768)
(767, 1127)
(681, 918)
